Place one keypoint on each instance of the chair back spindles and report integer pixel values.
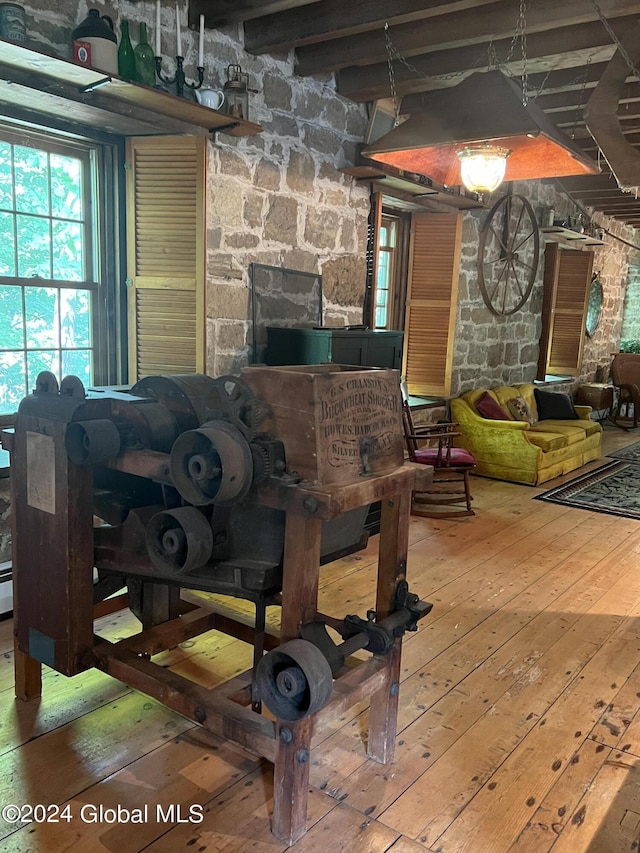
(434, 444)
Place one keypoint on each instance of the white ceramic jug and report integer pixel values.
(212, 98)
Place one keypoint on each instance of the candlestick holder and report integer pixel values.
(179, 77)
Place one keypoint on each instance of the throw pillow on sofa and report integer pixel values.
(554, 407)
(489, 408)
(520, 411)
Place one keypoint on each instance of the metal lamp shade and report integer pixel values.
(485, 107)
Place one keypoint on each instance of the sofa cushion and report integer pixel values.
(552, 406)
(573, 432)
(489, 408)
(588, 427)
(547, 441)
(504, 393)
(520, 411)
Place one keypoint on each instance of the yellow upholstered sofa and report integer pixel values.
(517, 451)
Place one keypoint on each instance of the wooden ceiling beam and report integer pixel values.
(584, 182)
(228, 11)
(570, 124)
(577, 98)
(335, 19)
(566, 78)
(619, 210)
(598, 196)
(445, 32)
(545, 52)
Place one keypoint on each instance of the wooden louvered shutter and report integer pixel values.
(567, 277)
(432, 297)
(165, 255)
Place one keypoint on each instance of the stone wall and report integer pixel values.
(496, 350)
(276, 198)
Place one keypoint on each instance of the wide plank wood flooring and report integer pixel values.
(519, 721)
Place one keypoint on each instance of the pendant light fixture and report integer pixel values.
(481, 124)
(482, 167)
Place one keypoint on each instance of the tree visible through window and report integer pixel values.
(385, 272)
(47, 278)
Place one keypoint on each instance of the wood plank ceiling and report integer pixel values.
(568, 45)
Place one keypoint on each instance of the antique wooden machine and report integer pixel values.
(235, 485)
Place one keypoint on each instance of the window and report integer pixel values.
(385, 272)
(52, 304)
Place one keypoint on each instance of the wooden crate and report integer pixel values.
(337, 423)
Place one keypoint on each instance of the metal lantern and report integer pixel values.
(236, 93)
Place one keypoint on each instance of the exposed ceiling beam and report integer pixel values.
(545, 52)
(578, 97)
(223, 11)
(335, 18)
(493, 22)
(584, 182)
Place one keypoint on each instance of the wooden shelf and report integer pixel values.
(416, 191)
(557, 234)
(50, 86)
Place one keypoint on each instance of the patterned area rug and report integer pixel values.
(630, 453)
(614, 489)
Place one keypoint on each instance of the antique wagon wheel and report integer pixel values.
(508, 254)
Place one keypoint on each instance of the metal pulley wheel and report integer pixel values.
(294, 680)
(91, 442)
(212, 465)
(183, 395)
(179, 540)
(236, 402)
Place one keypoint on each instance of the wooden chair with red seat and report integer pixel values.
(451, 468)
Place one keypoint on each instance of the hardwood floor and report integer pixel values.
(519, 722)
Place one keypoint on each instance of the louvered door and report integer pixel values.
(166, 255)
(567, 277)
(432, 298)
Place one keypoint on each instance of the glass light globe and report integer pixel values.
(482, 167)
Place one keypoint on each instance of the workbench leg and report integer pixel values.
(300, 572)
(28, 672)
(392, 564)
(291, 780)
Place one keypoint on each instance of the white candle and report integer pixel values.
(178, 39)
(158, 28)
(201, 44)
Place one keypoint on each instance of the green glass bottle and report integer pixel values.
(145, 62)
(126, 57)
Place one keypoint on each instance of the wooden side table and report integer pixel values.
(598, 396)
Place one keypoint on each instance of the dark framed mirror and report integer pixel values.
(594, 308)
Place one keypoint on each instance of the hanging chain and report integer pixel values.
(614, 38)
(632, 68)
(392, 76)
(580, 105)
(492, 60)
(521, 29)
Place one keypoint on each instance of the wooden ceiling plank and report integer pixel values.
(581, 182)
(227, 11)
(333, 18)
(577, 97)
(545, 52)
(476, 26)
